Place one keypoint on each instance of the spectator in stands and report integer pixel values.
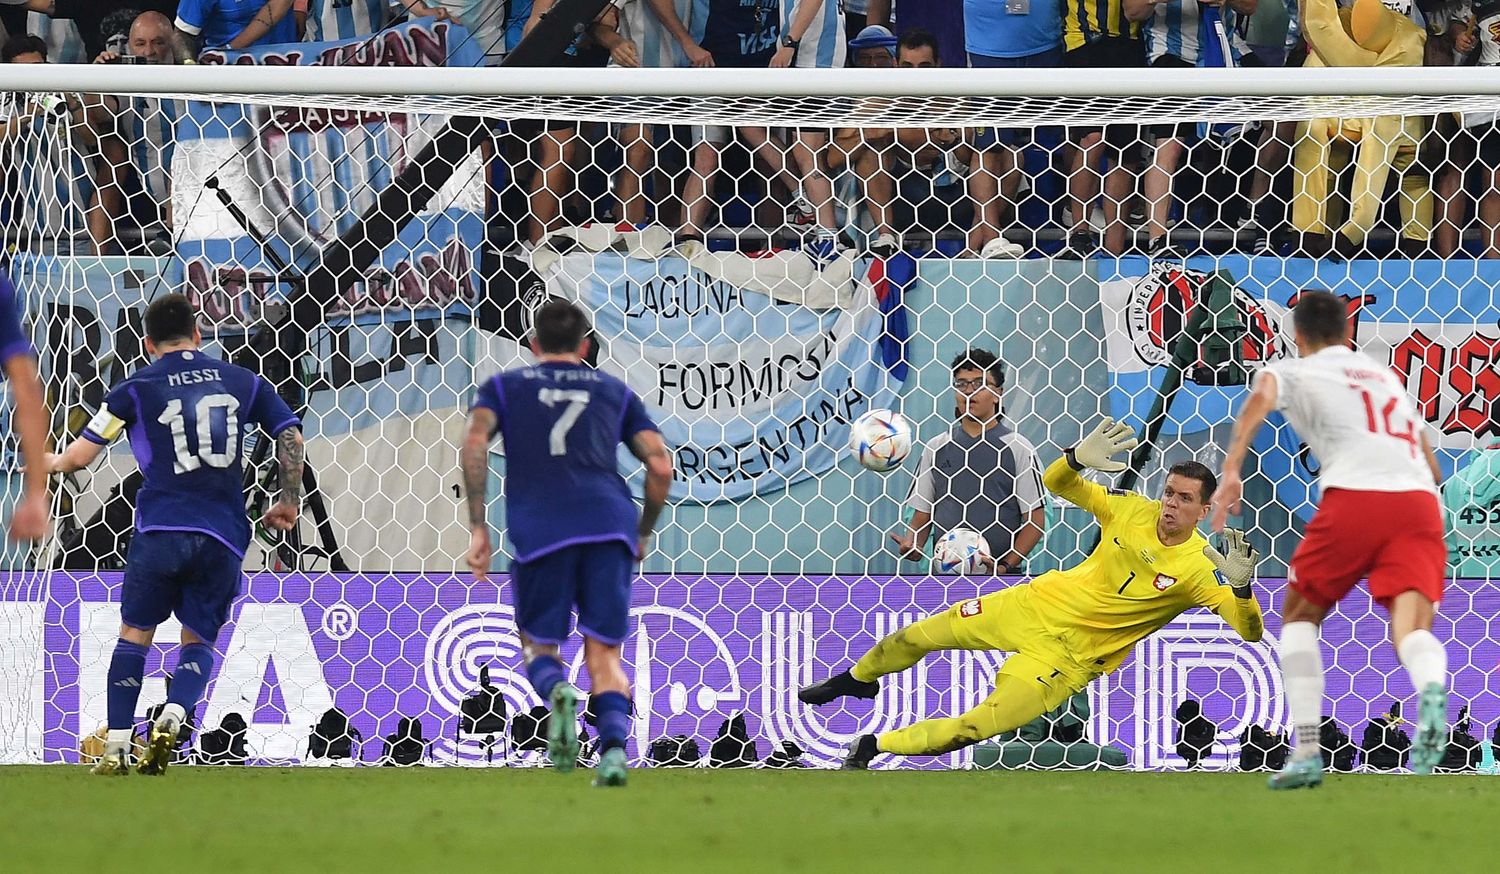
(874, 48)
(996, 38)
(869, 152)
(1475, 142)
(929, 166)
(61, 29)
(980, 475)
(1375, 36)
(856, 19)
(1267, 214)
(327, 20)
(497, 24)
(48, 185)
(812, 36)
(1096, 34)
(1386, 747)
(553, 149)
(645, 33)
(1195, 734)
(1177, 36)
(944, 19)
(237, 24)
(135, 139)
(89, 18)
(735, 35)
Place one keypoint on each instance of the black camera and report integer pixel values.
(128, 59)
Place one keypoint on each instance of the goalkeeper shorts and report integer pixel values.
(1006, 621)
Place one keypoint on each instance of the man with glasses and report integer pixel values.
(980, 475)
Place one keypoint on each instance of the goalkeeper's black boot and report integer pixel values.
(838, 686)
(860, 753)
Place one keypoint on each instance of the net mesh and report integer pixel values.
(761, 270)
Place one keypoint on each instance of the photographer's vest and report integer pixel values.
(974, 486)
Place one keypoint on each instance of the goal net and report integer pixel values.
(766, 255)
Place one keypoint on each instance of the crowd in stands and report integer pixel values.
(1431, 188)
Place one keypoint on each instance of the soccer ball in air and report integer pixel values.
(960, 551)
(880, 440)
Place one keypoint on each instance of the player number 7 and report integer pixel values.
(576, 401)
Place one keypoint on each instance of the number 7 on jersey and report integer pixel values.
(576, 400)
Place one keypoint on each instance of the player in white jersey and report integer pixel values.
(1378, 519)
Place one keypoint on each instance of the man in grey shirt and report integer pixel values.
(980, 475)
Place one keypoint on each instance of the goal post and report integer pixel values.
(675, 211)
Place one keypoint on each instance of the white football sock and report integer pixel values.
(118, 740)
(1302, 679)
(1424, 658)
(173, 712)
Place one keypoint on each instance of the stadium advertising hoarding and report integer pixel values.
(383, 646)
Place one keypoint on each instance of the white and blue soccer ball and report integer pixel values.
(880, 440)
(960, 551)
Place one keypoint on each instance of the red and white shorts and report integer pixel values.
(1395, 539)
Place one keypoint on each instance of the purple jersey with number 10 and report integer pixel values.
(187, 415)
(562, 425)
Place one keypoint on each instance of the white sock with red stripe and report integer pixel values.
(1424, 658)
(1302, 680)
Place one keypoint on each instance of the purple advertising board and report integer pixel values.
(380, 647)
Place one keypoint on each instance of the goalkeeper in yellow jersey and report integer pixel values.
(1067, 627)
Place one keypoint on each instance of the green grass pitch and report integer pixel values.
(482, 821)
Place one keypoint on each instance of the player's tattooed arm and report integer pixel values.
(474, 459)
(652, 451)
(282, 515)
(290, 454)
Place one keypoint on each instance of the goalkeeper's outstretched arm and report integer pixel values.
(1108, 438)
(1235, 602)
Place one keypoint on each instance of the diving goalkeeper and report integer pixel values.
(1067, 627)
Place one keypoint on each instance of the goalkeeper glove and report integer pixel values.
(1108, 438)
(1236, 562)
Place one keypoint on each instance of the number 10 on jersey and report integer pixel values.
(204, 416)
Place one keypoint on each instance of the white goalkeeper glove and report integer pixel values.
(1108, 438)
(1236, 562)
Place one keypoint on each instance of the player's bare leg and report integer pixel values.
(610, 698)
(1426, 662)
(1302, 682)
(894, 653)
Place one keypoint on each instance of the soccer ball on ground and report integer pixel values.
(961, 551)
(880, 440)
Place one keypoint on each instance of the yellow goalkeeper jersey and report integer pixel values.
(1131, 585)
